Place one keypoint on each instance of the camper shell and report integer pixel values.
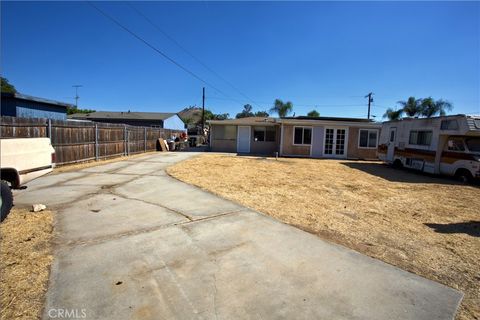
(448, 145)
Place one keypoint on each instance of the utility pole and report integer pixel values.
(76, 86)
(370, 100)
(203, 111)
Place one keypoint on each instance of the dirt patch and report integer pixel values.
(25, 259)
(93, 163)
(426, 225)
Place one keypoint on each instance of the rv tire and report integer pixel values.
(6, 200)
(397, 164)
(463, 175)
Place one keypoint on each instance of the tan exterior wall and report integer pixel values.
(288, 148)
(256, 147)
(224, 145)
(353, 151)
(221, 145)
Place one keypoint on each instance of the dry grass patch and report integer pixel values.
(426, 225)
(25, 259)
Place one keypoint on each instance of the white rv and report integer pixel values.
(448, 145)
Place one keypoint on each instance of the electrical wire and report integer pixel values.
(153, 47)
(189, 53)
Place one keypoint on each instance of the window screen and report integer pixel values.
(270, 134)
(259, 133)
(368, 138)
(302, 135)
(225, 132)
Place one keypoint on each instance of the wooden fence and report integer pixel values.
(76, 141)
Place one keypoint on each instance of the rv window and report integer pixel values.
(302, 135)
(473, 144)
(421, 138)
(368, 138)
(449, 125)
(392, 136)
(477, 123)
(455, 144)
(259, 133)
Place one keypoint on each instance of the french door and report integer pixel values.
(335, 139)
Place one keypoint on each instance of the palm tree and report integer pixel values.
(281, 108)
(431, 107)
(412, 107)
(393, 114)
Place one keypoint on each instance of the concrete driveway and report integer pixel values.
(134, 243)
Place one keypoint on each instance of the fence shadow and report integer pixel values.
(472, 228)
(386, 172)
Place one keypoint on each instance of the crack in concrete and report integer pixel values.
(98, 240)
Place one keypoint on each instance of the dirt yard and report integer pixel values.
(426, 225)
(25, 259)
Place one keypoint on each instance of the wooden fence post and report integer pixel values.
(49, 130)
(125, 140)
(145, 138)
(96, 142)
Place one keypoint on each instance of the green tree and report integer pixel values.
(246, 112)
(73, 109)
(209, 115)
(262, 114)
(6, 86)
(431, 107)
(282, 108)
(392, 114)
(412, 107)
(313, 114)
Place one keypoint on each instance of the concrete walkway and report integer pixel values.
(134, 243)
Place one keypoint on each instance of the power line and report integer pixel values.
(188, 52)
(153, 47)
(299, 105)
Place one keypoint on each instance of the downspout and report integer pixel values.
(281, 140)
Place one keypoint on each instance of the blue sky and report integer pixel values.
(319, 55)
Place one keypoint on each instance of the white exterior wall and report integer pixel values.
(174, 123)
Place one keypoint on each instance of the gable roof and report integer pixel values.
(123, 115)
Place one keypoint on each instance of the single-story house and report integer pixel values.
(24, 106)
(319, 137)
(165, 120)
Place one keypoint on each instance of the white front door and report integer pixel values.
(392, 137)
(335, 142)
(243, 139)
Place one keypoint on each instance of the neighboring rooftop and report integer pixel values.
(123, 115)
(36, 99)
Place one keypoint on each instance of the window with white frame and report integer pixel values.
(368, 138)
(264, 134)
(302, 135)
